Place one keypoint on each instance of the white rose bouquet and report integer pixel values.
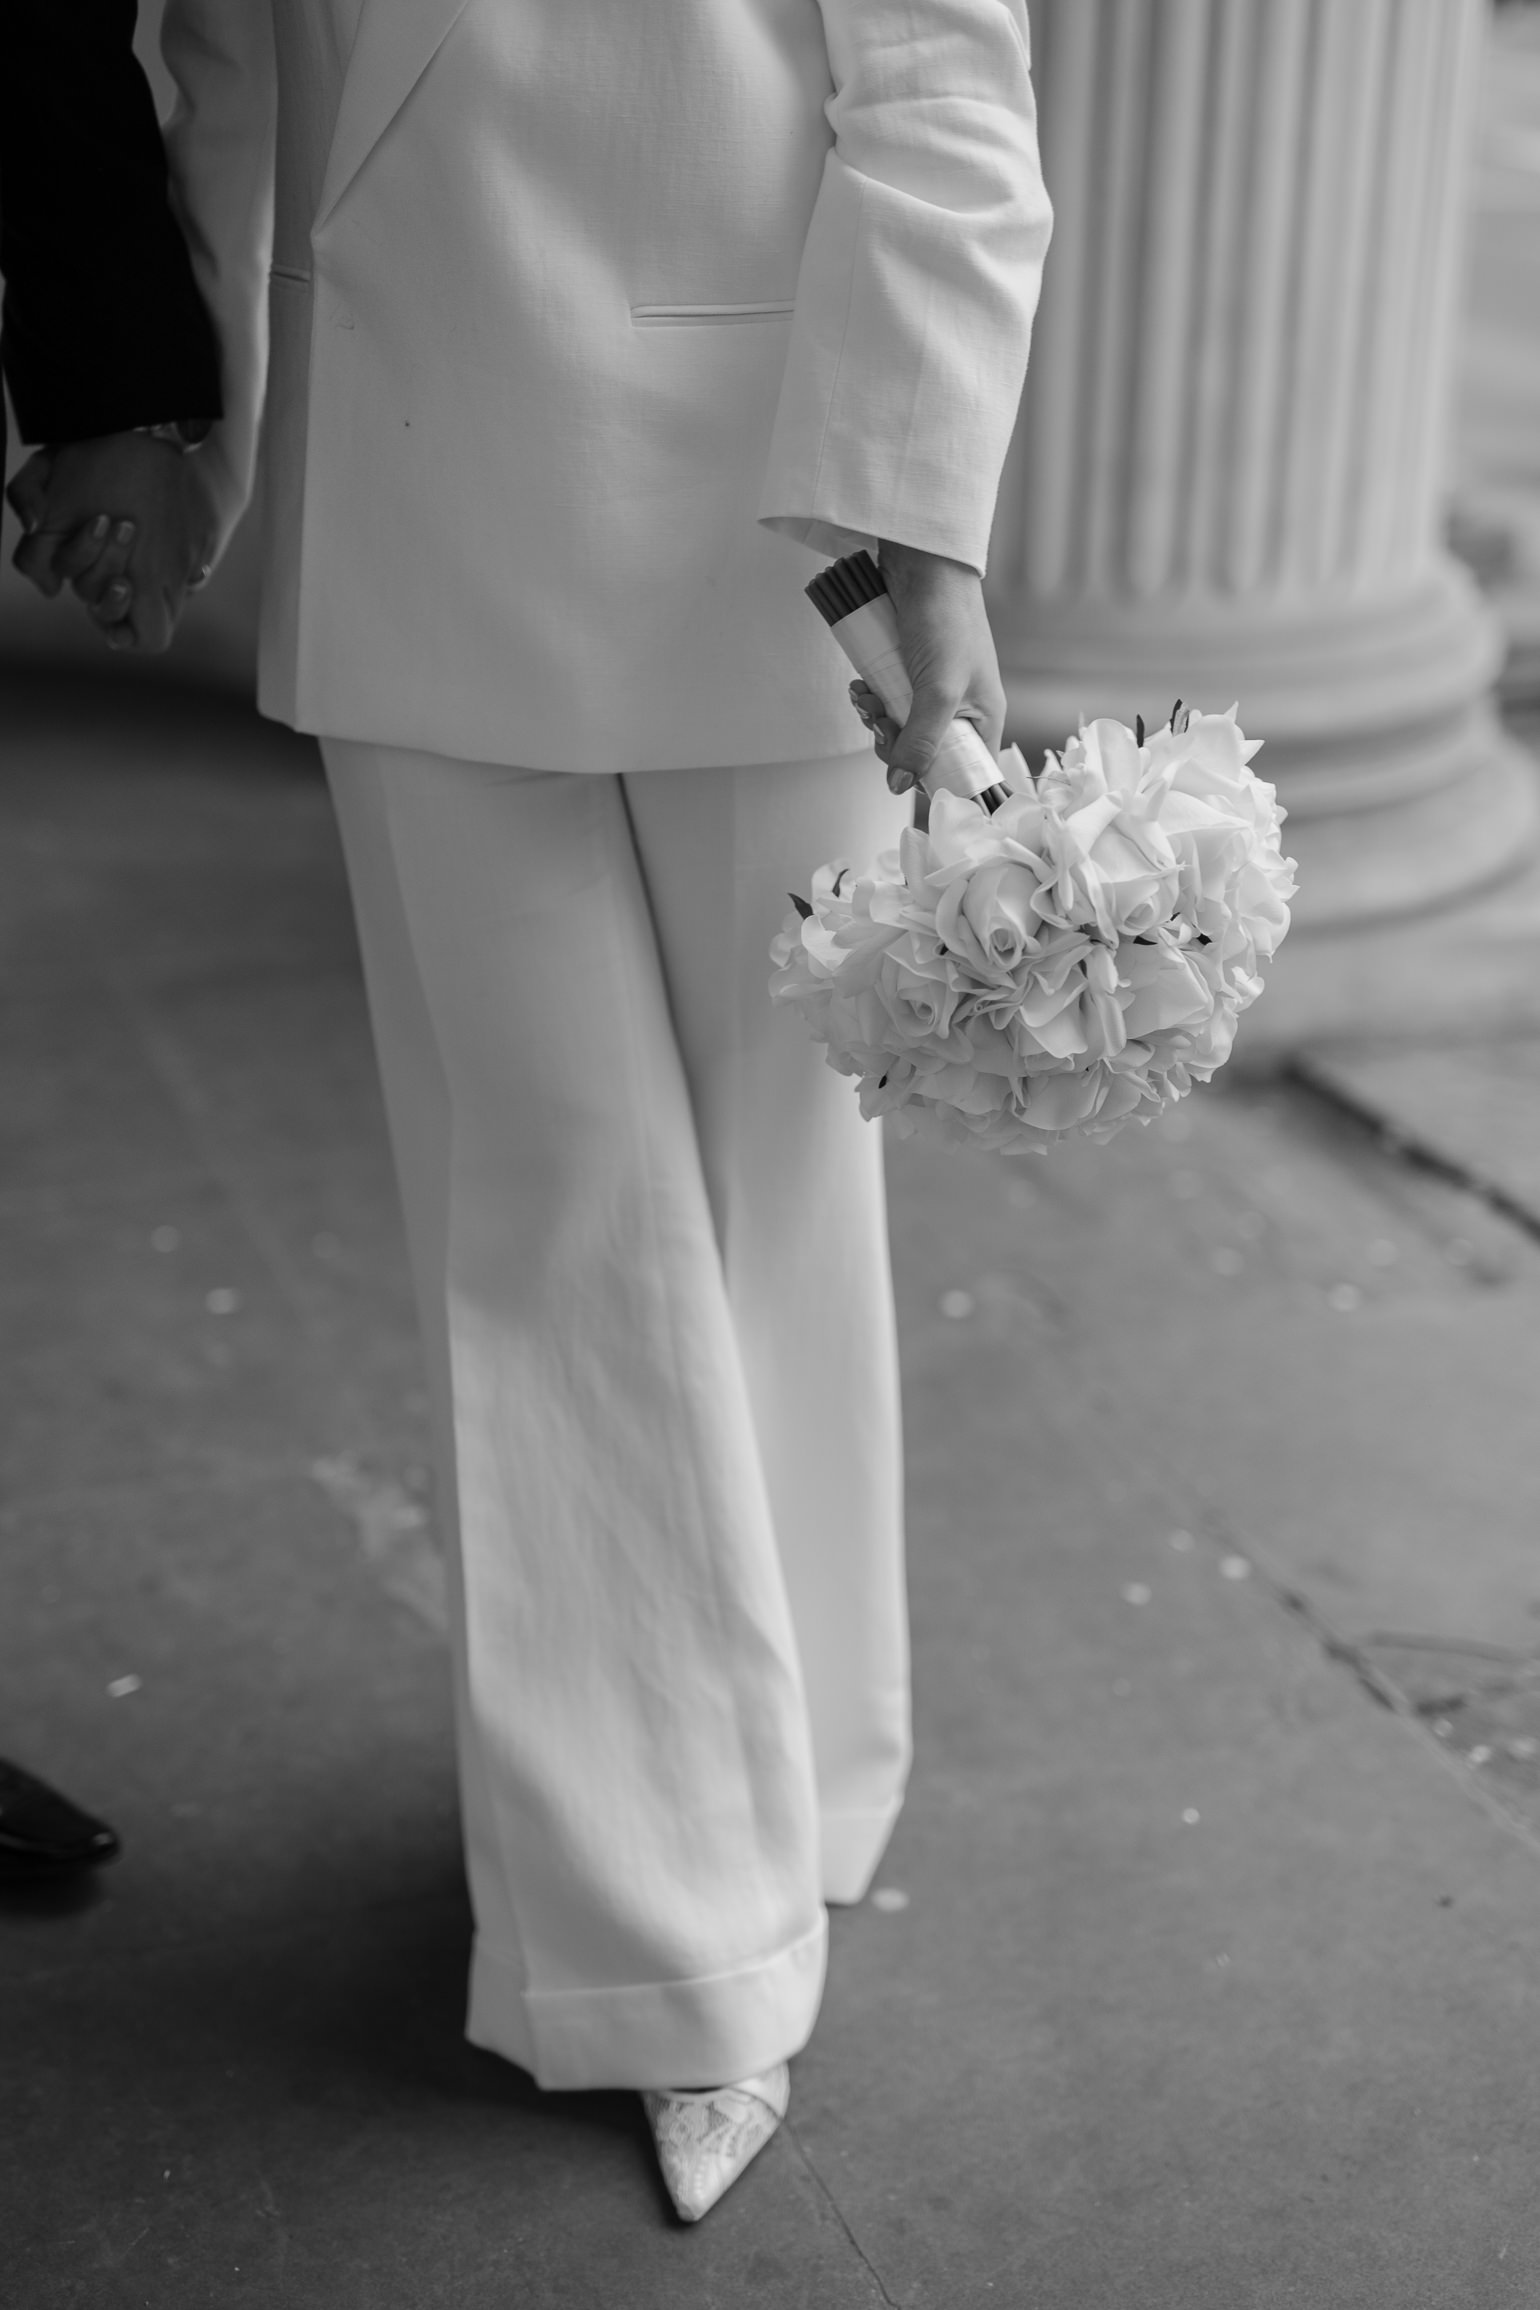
(1061, 954)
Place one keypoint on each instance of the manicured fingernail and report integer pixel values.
(123, 532)
(119, 591)
(900, 781)
(100, 526)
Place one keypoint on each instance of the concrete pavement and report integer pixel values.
(1203, 1970)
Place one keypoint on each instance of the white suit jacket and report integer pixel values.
(567, 314)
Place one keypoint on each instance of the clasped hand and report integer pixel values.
(125, 520)
(949, 653)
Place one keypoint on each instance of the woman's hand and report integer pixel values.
(885, 736)
(948, 653)
(125, 521)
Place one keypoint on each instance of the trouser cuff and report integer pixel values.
(708, 2031)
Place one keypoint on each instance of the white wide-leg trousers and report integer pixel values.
(648, 1235)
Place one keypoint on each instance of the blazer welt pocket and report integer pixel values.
(705, 316)
(289, 273)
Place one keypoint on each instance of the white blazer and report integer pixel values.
(563, 309)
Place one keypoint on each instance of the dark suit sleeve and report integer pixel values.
(103, 327)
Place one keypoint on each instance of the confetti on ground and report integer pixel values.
(890, 1900)
(1344, 1297)
(1443, 1727)
(1135, 1592)
(1192, 1816)
(222, 1301)
(164, 1238)
(1480, 1755)
(122, 1686)
(1182, 1542)
(1235, 1567)
(1524, 1748)
(957, 1304)
(392, 1528)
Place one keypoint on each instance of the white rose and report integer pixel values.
(1162, 989)
(1061, 1102)
(919, 1001)
(996, 905)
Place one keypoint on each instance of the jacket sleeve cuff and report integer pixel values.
(907, 357)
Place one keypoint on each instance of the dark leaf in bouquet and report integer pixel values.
(800, 904)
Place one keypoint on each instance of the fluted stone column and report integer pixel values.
(1226, 481)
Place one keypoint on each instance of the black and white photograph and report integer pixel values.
(770, 1155)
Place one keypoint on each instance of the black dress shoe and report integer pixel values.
(42, 1834)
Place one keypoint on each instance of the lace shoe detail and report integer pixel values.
(704, 2140)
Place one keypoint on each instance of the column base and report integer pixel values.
(1463, 812)
(1340, 668)
(1402, 790)
(1466, 970)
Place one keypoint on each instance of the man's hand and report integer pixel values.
(125, 521)
(949, 652)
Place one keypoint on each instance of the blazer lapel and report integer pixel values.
(395, 43)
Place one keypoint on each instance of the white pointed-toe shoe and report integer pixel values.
(705, 2140)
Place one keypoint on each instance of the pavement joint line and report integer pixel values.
(1205, 1515)
(1344, 1653)
(1504, 1655)
(1406, 1145)
(838, 2212)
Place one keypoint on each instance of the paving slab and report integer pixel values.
(1201, 1970)
(1331, 1355)
(1471, 1107)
